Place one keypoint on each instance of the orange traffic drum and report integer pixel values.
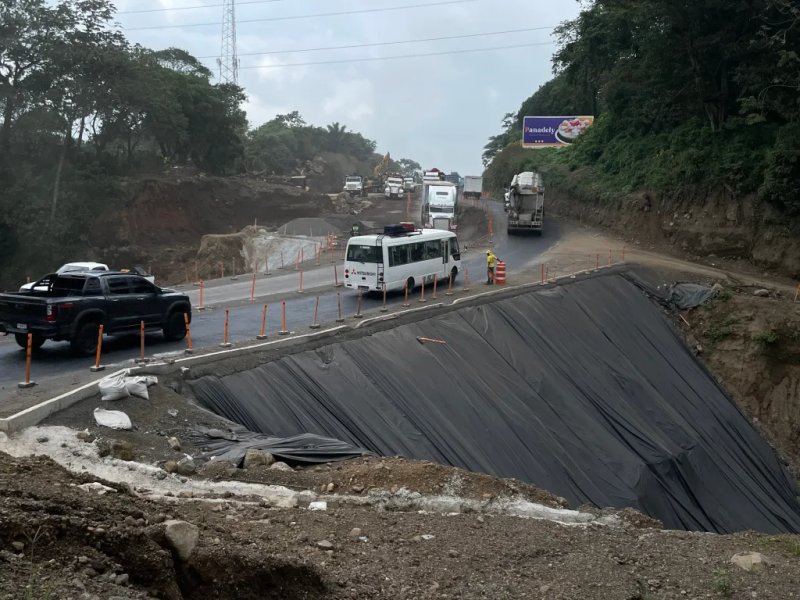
(500, 272)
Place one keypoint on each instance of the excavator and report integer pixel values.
(374, 184)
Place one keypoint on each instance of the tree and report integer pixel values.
(408, 167)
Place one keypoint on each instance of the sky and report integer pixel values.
(438, 110)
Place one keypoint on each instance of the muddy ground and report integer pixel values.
(58, 540)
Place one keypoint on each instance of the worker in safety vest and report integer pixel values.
(491, 260)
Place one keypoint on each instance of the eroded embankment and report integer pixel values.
(583, 389)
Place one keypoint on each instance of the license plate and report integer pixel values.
(22, 326)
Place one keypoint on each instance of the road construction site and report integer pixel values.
(517, 441)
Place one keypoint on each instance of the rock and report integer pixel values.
(318, 505)
(762, 293)
(83, 560)
(174, 444)
(42, 439)
(182, 537)
(85, 436)
(452, 553)
(122, 579)
(357, 488)
(78, 584)
(185, 494)
(170, 466)
(325, 545)
(355, 533)
(257, 458)
(18, 546)
(427, 536)
(130, 521)
(172, 413)
(281, 466)
(331, 487)
(119, 449)
(750, 561)
(186, 466)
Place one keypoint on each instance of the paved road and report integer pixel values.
(54, 358)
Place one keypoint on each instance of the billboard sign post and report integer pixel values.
(553, 132)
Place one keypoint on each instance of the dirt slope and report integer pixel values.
(693, 225)
(60, 541)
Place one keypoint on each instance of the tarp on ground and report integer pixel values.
(232, 445)
(584, 390)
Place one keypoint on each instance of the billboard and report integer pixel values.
(553, 132)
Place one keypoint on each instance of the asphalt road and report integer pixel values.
(54, 359)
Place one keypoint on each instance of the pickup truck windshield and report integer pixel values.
(68, 286)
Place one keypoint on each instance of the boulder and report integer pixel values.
(258, 458)
(182, 537)
(750, 561)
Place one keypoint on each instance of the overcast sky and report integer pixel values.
(438, 110)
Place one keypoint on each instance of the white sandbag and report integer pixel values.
(137, 386)
(113, 388)
(115, 419)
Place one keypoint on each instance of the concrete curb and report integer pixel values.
(35, 414)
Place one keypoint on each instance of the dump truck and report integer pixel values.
(526, 203)
(473, 186)
(354, 185)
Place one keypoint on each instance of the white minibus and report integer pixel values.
(400, 256)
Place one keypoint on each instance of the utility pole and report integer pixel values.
(228, 61)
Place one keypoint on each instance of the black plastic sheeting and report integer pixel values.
(584, 390)
(678, 296)
(233, 444)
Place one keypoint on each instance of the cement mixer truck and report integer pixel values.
(526, 203)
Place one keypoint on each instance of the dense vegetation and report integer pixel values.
(694, 95)
(82, 111)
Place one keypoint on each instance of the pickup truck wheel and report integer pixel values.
(84, 342)
(175, 328)
(22, 341)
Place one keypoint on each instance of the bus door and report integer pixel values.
(446, 256)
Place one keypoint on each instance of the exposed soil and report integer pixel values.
(752, 345)
(159, 221)
(700, 226)
(60, 541)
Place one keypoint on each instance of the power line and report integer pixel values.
(310, 16)
(195, 7)
(400, 56)
(394, 43)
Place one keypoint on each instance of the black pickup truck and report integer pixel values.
(71, 306)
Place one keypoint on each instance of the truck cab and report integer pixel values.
(394, 187)
(354, 185)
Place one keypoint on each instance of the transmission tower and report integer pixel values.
(228, 61)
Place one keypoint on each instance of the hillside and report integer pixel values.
(697, 135)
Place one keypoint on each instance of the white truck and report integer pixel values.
(473, 186)
(439, 205)
(526, 203)
(409, 185)
(354, 185)
(394, 187)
